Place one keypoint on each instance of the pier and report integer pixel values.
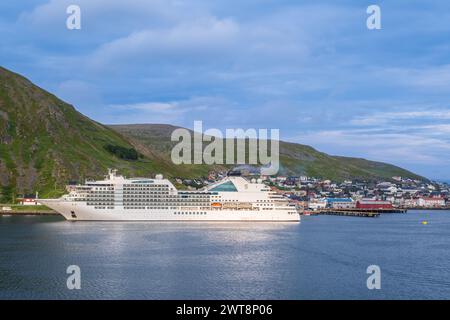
(368, 213)
(350, 213)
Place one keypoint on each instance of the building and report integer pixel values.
(410, 191)
(340, 203)
(431, 202)
(410, 203)
(29, 202)
(373, 204)
(317, 204)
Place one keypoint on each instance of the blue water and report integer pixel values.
(324, 257)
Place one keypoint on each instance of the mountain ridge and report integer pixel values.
(45, 142)
(158, 137)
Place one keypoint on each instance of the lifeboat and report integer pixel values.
(216, 205)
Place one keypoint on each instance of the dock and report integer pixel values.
(350, 213)
(368, 213)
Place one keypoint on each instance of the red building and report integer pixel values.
(29, 202)
(373, 204)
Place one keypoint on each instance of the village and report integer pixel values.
(316, 194)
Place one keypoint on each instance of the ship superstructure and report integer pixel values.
(117, 198)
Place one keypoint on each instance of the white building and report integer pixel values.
(29, 202)
(431, 202)
(317, 204)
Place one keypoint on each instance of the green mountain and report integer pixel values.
(45, 142)
(295, 159)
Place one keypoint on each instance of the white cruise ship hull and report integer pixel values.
(76, 211)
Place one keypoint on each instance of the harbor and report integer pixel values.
(323, 257)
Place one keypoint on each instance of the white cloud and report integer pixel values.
(391, 147)
(295, 66)
(383, 118)
(105, 13)
(158, 107)
(434, 78)
(200, 37)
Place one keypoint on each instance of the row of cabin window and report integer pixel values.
(189, 213)
(149, 208)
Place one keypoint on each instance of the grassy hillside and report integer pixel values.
(153, 141)
(296, 159)
(45, 142)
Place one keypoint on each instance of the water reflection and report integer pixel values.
(321, 258)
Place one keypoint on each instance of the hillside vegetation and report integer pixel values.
(295, 159)
(45, 142)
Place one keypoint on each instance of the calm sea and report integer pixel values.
(324, 257)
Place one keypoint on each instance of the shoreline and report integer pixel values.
(421, 208)
(29, 213)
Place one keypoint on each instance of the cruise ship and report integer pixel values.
(117, 198)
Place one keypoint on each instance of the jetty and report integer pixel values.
(355, 212)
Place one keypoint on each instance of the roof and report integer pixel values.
(374, 202)
(227, 186)
(331, 200)
(233, 183)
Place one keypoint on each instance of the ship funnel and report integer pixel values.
(112, 173)
(159, 177)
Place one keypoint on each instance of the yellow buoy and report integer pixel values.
(424, 222)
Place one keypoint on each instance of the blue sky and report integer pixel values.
(310, 68)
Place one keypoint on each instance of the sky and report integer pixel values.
(311, 69)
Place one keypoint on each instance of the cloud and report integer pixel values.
(411, 139)
(429, 78)
(403, 148)
(180, 112)
(388, 117)
(99, 17)
(197, 39)
(159, 107)
(312, 70)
